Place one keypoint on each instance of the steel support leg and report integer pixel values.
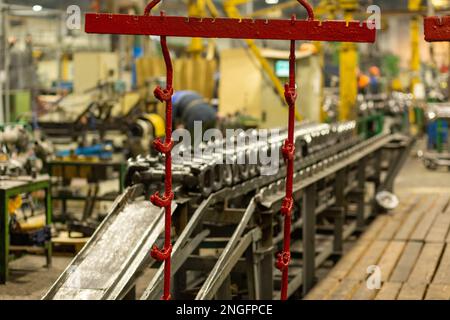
(252, 282)
(403, 149)
(309, 233)
(339, 212)
(224, 292)
(265, 247)
(360, 211)
(131, 295)
(377, 176)
(179, 284)
(4, 238)
(49, 218)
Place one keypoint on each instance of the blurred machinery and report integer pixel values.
(101, 109)
(24, 192)
(438, 146)
(143, 132)
(22, 153)
(389, 112)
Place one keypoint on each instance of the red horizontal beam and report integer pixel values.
(172, 26)
(437, 29)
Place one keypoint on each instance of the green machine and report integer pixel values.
(19, 102)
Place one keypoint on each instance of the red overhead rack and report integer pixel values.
(293, 30)
(437, 29)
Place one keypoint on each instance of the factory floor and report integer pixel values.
(29, 279)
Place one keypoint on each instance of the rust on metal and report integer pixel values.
(437, 29)
(172, 26)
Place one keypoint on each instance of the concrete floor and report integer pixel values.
(30, 279)
(414, 178)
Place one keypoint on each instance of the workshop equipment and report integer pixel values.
(94, 171)
(163, 26)
(143, 132)
(438, 146)
(103, 151)
(10, 188)
(332, 174)
(437, 29)
(21, 151)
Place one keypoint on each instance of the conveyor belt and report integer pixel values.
(116, 252)
(110, 262)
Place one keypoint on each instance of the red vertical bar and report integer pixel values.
(166, 148)
(284, 257)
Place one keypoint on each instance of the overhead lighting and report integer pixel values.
(272, 1)
(440, 4)
(37, 8)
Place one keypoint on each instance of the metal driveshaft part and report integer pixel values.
(437, 29)
(293, 29)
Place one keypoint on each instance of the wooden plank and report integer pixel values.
(345, 290)
(364, 293)
(397, 218)
(427, 263)
(375, 228)
(390, 258)
(413, 219)
(443, 273)
(412, 291)
(323, 290)
(438, 292)
(371, 257)
(428, 219)
(346, 264)
(406, 262)
(438, 232)
(390, 229)
(389, 291)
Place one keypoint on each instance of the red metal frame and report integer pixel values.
(230, 28)
(437, 29)
(293, 29)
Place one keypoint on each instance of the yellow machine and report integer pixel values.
(232, 11)
(144, 131)
(348, 64)
(414, 6)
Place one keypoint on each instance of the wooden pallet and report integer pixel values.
(411, 248)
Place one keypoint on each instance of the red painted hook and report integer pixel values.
(308, 8)
(151, 5)
(283, 260)
(161, 255)
(164, 201)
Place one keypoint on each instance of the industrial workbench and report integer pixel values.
(12, 187)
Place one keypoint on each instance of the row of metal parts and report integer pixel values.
(218, 167)
(393, 103)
